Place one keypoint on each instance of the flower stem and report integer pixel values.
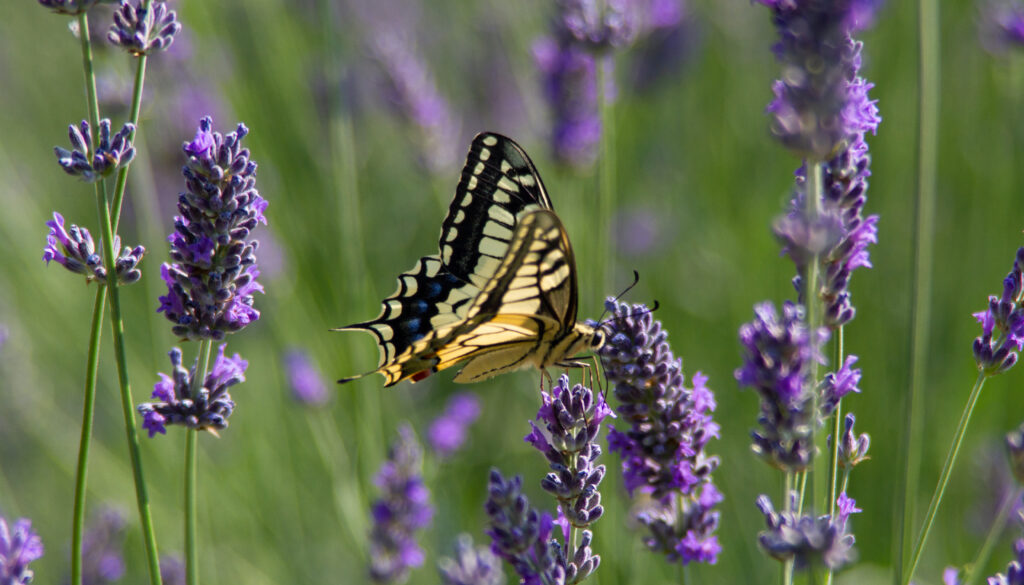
(814, 307)
(998, 525)
(924, 228)
(117, 325)
(191, 440)
(133, 118)
(82, 470)
(837, 417)
(947, 470)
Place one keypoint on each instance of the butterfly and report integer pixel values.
(501, 295)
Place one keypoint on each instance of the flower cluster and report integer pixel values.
(778, 351)
(205, 408)
(74, 249)
(521, 535)
(19, 546)
(1014, 574)
(570, 86)
(816, 107)
(307, 384)
(69, 7)
(101, 548)
(448, 432)
(402, 509)
(663, 450)
(853, 448)
(112, 152)
(1002, 324)
(471, 565)
(598, 26)
(211, 283)
(140, 31)
(806, 540)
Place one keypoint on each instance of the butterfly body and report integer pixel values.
(502, 293)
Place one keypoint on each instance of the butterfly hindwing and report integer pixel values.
(498, 183)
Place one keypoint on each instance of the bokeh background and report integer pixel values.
(357, 192)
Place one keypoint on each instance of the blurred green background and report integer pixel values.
(283, 491)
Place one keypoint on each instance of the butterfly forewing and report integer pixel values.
(498, 183)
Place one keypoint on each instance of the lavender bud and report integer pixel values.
(111, 152)
(140, 31)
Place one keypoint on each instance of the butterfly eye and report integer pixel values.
(598, 340)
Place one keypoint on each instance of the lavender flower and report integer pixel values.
(836, 385)
(19, 546)
(1002, 26)
(471, 566)
(140, 31)
(806, 540)
(69, 7)
(306, 382)
(663, 451)
(812, 112)
(570, 85)
(951, 576)
(448, 432)
(571, 423)
(777, 364)
(207, 409)
(1004, 319)
(853, 448)
(101, 548)
(402, 509)
(1014, 574)
(213, 277)
(520, 534)
(74, 249)
(112, 152)
(599, 26)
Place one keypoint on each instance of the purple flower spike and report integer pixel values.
(1002, 324)
(306, 382)
(570, 85)
(471, 565)
(448, 432)
(74, 249)
(211, 282)
(402, 509)
(520, 534)
(208, 410)
(1014, 574)
(112, 152)
(778, 351)
(663, 449)
(140, 31)
(19, 546)
(599, 26)
(805, 540)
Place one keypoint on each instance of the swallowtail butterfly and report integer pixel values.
(502, 293)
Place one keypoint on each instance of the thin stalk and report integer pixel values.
(947, 471)
(787, 566)
(975, 569)
(191, 441)
(133, 118)
(88, 404)
(606, 182)
(924, 228)
(812, 202)
(837, 417)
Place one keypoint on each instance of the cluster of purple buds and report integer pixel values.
(1014, 574)
(448, 432)
(402, 509)
(1002, 324)
(570, 86)
(521, 535)
(806, 540)
(213, 277)
(663, 450)
(853, 448)
(598, 26)
(838, 384)
(112, 152)
(102, 548)
(304, 378)
(571, 421)
(140, 31)
(778, 351)
(19, 546)
(74, 249)
(69, 7)
(471, 565)
(812, 111)
(180, 401)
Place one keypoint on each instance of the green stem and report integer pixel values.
(947, 471)
(788, 484)
(133, 118)
(91, 96)
(191, 441)
(606, 183)
(924, 228)
(81, 471)
(978, 566)
(815, 313)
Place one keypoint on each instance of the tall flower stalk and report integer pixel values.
(94, 157)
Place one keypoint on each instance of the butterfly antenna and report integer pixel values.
(636, 279)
